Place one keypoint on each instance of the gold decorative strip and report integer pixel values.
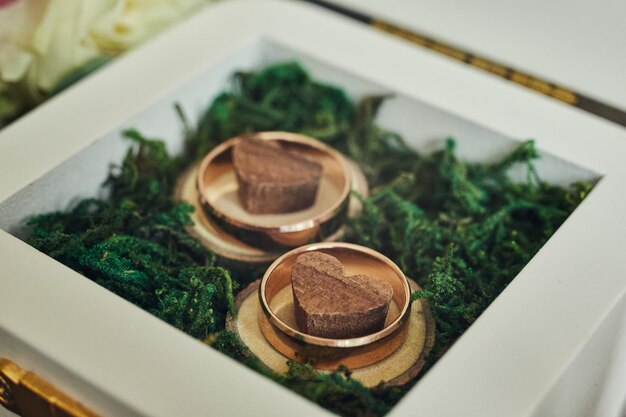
(29, 395)
(529, 81)
(536, 84)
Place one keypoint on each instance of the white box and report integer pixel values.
(537, 349)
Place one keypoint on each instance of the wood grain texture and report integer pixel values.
(330, 304)
(398, 367)
(273, 180)
(232, 252)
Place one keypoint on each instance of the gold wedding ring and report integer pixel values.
(276, 316)
(217, 188)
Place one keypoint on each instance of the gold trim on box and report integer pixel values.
(522, 78)
(29, 395)
(320, 226)
(278, 275)
(537, 84)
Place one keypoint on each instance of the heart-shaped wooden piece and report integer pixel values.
(273, 180)
(329, 304)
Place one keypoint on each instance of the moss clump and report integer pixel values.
(280, 97)
(463, 231)
(135, 244)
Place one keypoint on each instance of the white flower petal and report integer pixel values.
(18, 22)
(138, 20)
(16, 63)
(62, 40)
(41, 41)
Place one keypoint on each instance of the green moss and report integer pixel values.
(279, 97)
(134, 243)
(461, 230)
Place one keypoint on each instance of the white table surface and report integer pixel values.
(581, 44)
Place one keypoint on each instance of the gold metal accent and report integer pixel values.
(329, 358)
(29, 395)
(404, 34)
(534, 83)
(449, 51)
(537, 84)
(489, 66)
(396, 368)
(217, 187)
(234, 253)
(356, 260)
(564, 94)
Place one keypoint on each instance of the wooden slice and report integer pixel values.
(213, 237)
(234, 252)
(398, 365)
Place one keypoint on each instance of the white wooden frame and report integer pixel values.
(559, 314)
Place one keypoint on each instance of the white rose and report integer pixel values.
(42, 41)
(18, 21)
(133, 21)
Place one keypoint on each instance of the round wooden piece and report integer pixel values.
(209, 233)
(327, 358)
(401, 363)
(232, 249)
